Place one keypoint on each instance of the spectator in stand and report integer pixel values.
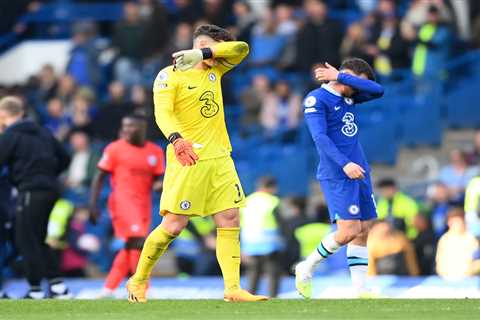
(384, 10)
(456, 175)
(66, 88)
(218, 12)
(83, 109)
(439, 201)
(83, 165)
(141, 101)
(187, 11)
(66, 234)
(106, 125)
(388, 48)
(288, 27)
(57, 120)
(127, 41)
(74, 261)
(252, 100)
(155, 18)
(281, 111)
(396, 207)
(473, 157)
(390, 252)
(476, 33)
(354, 43)
(456, 249)
(266, 46)
(417, 14)
(245, 20)
(182, 40)
(47, 84)
(432, 48)
(83, 63)
(472, 206)
(284, 17)
(425, 245)
(319, 39)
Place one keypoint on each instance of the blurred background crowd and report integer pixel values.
(425, 52)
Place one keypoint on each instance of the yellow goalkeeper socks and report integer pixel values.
(155, 245)
(228, 256)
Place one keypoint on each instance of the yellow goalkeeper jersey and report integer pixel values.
(191, 103)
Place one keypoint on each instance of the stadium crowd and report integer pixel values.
(110, 73)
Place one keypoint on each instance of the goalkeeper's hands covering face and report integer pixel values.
(187, 59)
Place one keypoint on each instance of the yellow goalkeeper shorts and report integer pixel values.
(208, 187)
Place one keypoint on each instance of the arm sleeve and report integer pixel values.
(229, 54)
(6, 146)
(164, 91)
(317, 124)
(366, 89)
(472, 196)
(441, 37)
(107, 162)
(62, 155)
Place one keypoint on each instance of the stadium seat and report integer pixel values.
(462, 106)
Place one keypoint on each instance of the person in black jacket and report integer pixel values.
(319, 39)
(34, 159)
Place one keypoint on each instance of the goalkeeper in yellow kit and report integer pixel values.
(200, 178)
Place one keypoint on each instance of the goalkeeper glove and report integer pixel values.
(187, 59)
(184, 152)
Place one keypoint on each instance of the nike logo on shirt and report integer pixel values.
(190, 87)
(337, 108)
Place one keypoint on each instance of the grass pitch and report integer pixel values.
(216, 309)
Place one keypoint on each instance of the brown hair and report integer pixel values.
(358, 66)
(214, 32)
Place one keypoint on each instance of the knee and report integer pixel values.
(362, 237)
(174, 226)
(228, 219)
(346, 235)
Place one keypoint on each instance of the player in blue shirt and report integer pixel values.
(343, 171)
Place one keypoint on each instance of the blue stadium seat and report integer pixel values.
(462, 105)
(378, 132)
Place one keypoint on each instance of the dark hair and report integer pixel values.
(214, 32)
(358, 66)
(387, 182)
(136, 116)
(433, 9)
(267, 182)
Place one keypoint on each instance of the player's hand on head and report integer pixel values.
(187, 59)
(184, 152)
(354, 171)
(327, 73)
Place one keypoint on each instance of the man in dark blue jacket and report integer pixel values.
(34, 159)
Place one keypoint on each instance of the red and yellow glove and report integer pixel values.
(184, 152)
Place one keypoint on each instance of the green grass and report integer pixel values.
(216, 309)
